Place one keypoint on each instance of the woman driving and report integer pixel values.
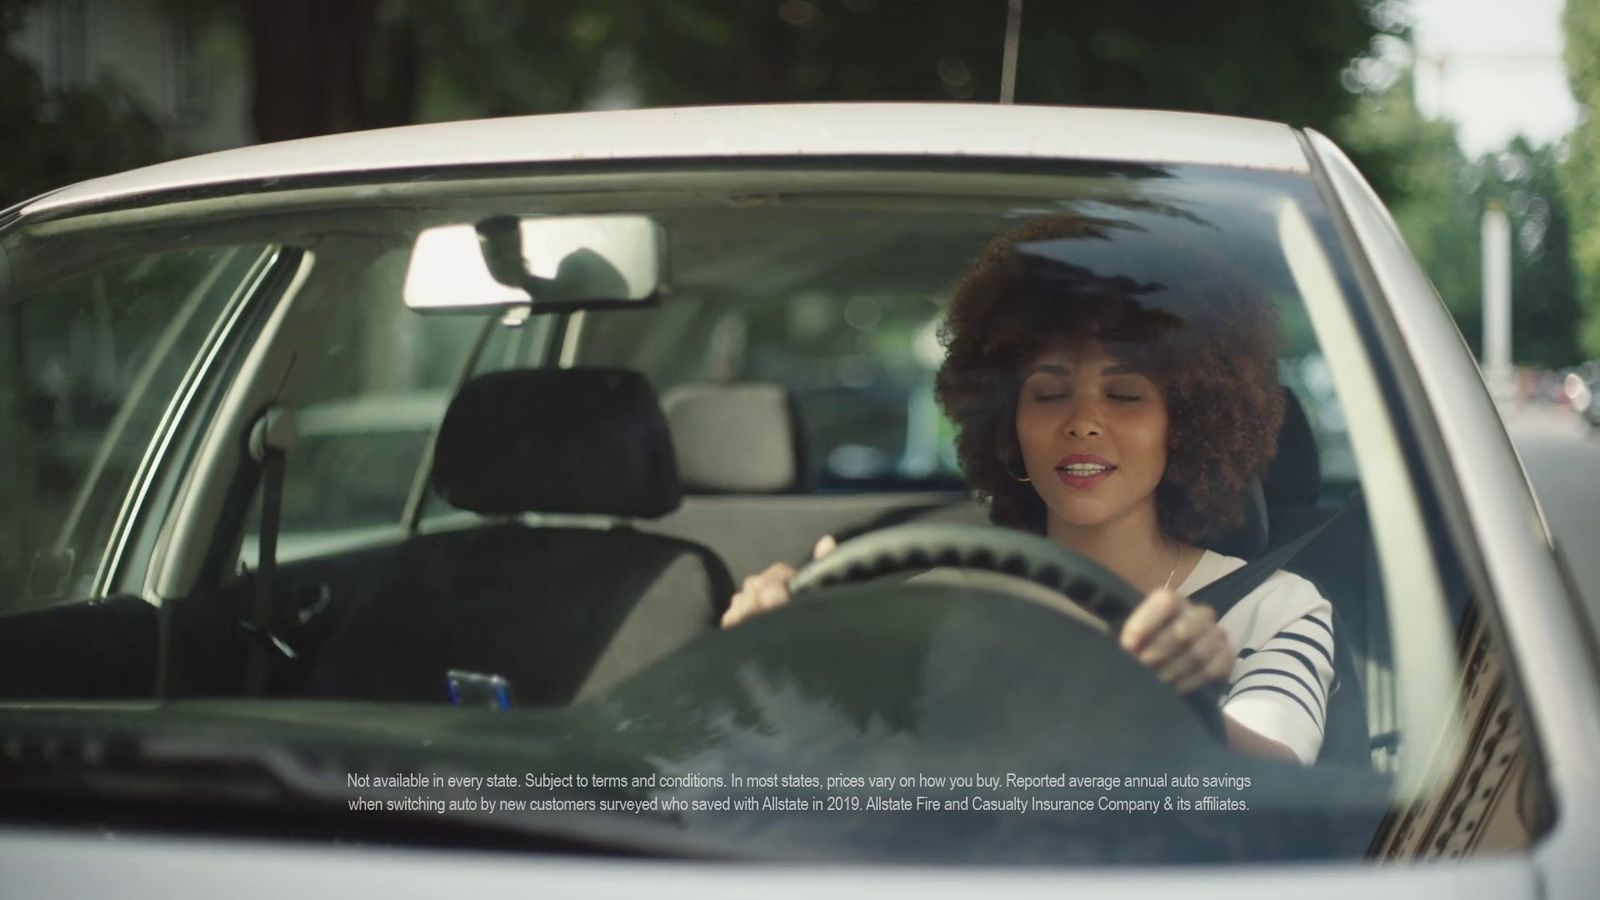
(1122, 418)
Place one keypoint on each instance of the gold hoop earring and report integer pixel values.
(1014, 477)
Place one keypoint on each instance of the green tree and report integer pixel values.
(1438, 197)
(49, 138)
(1525, 180)
(1417, 167)
(1265, 58)
(323, 68)
(1581, 175)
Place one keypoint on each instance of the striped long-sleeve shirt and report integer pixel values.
(1283, 634)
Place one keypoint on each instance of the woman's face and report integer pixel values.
(1093, 434)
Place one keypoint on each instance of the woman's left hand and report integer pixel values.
(1181, 641)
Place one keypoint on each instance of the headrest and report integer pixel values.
(1294, 478)
(1295, 475)
(1249, 539)
(736, 438)
(588, 441)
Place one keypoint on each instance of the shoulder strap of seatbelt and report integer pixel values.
(1226, 592)
(271, 438)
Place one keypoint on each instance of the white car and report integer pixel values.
(679, 344)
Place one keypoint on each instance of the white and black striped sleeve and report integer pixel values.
(1284, 670)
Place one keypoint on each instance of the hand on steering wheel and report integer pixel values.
(1177, 640)
(769, 589)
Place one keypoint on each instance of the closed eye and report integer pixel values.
(1125, 398)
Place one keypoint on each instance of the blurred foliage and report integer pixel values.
(1265, 58)
(1526, 181)
(51, 137)
(1581, 174)
(1438, 196)
(1416, 166)
(323, 68)
(365, 63)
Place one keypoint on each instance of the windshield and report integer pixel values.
(487, 569)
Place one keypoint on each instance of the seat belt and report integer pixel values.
(1225, 593)
(271, 439)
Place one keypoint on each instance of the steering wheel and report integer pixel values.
(1079, 580)
(916, 547)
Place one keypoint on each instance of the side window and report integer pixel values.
(377, 385)
(93, 361)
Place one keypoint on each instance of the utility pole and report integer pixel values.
(1497, 301)
(1008, 64)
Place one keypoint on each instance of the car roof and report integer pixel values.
(928, 130)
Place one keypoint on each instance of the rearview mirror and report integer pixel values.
(551, 264)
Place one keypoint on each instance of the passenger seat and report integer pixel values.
(561, 610)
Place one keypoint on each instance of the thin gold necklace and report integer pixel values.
(1176, 560)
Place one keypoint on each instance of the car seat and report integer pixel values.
(1337, 561)
(561, 608)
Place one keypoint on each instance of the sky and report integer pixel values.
(1494, 66)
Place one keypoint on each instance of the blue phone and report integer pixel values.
(479, 689)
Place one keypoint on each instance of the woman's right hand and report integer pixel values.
(770, 589)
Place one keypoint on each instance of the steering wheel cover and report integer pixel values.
(920, 546)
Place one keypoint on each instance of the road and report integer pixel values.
(1562, 456)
